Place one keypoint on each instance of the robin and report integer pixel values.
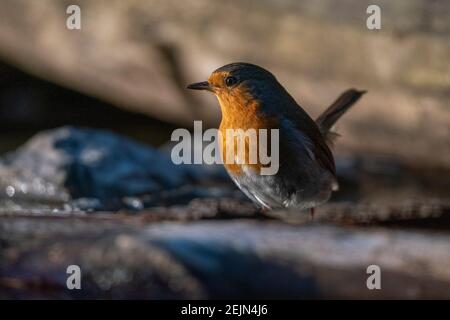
(251, 97)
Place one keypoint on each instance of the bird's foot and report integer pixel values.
(311, 213)
(261, 213)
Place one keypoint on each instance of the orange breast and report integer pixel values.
(240, 111)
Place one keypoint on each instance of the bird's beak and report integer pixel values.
(204, 85)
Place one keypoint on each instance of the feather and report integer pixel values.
(329, 117)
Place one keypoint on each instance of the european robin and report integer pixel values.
(251, 97)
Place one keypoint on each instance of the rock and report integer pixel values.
(210, 259)
(72, 169)
(184, 232)
(99, 169)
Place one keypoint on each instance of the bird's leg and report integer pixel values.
(311, 213)
(261, 213)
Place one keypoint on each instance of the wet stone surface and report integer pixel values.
(160, 231)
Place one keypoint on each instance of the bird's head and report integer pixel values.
(238, 85)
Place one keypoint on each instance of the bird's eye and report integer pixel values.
(229, 81)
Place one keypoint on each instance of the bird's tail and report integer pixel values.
(329, 117)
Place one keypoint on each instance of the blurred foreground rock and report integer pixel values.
(120, 258)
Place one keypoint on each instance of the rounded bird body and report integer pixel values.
(251, 98)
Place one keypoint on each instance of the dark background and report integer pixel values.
(29, 104)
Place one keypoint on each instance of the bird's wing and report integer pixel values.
(308, 126)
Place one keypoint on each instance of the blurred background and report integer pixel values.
(126, 69)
